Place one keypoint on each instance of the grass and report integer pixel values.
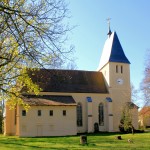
(101, 141)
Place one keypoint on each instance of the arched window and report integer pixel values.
(101, 114)
(79, 115)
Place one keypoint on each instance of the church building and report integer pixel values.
(76, 101)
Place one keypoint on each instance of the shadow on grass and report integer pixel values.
(102, 134)
(102, 140)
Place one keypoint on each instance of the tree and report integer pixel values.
(1, 119)
(135, 95)
(32, 35)
(126, 119)
(145, 88)
(145, 84)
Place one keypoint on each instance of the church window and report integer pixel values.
(23, 112)
(101, 114)
(79, 115)
(64, 112)
(116, 68)
(51, 112)
(39, 113)
(121, 69)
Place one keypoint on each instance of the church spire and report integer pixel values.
(112, 51)
(109, 30)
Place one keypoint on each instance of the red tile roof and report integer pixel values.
(145, 111)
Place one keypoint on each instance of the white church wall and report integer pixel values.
(96, 100)
(57, 125)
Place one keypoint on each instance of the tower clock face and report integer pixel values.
(120, 81)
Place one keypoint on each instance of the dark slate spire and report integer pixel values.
(117, 53)
(112, 51)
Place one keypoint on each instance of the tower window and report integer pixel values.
(116, 68)
(79, 115)
(121, 69)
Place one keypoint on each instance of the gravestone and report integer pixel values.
(83, 139)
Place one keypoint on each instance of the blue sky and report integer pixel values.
(129, 18)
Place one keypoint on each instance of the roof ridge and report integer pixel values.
(38, 69)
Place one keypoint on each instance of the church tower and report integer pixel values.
(115, 67)
(114, 64)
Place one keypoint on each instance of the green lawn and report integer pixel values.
(101, 141)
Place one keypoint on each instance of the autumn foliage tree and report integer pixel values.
(145, 87)
(32, 35)
(145, 84)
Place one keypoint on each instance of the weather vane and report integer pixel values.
(108, 21)
(109, 31)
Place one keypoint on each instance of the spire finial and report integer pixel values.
(109, 30)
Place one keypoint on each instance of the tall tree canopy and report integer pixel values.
(32, 35)
(145, 84)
